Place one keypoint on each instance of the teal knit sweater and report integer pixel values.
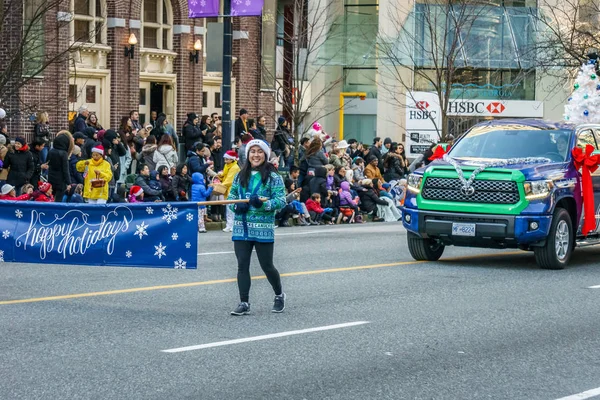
(258, 224)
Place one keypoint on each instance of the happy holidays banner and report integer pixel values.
(154, 235)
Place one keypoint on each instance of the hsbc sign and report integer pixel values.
(423, 112)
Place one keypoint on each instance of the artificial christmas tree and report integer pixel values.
(584, 104)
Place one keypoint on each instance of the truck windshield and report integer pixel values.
(488, 142)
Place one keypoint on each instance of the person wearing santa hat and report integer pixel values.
(229, 172)
(97, 173)
(136, 194)
(44, 193)
(254, 221)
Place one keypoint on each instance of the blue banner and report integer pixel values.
(154, 235)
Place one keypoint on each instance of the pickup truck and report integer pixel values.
(526, 192)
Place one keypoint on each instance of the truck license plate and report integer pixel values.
(461, 229)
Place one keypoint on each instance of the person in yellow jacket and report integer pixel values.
(95, 168)
(230, 170)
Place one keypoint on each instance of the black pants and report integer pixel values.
(59, 193)
(264, 251)
(285, 213)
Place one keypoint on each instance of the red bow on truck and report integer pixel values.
(588, 164)
(439, 152)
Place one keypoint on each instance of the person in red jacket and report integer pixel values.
(8, 193)
(318, 213)
(44, 193)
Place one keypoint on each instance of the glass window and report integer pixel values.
(90, 94)
(217, 100)
(586, 137)
(157, 24)
(204, 99)
(72, 93)
(89, 21)
(361, 80)
(35, 41)
(142, 97)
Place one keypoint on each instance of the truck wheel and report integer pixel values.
(424, 249)
(557, 251)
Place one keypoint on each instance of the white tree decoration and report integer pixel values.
(584, 104)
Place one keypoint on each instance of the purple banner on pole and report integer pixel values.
(244, 8)
(203, 8)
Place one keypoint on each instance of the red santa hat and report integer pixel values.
(136, 191)
(231, 155)
(98, 149)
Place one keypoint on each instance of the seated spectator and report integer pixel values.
(27, 188)
(388, 212)
(358, 168)
(317, 213)
(74, 194)
(372, 170)
(154, 183)
(97, 173)
(143, 181)
(44, 193)
(348, 205)
(393, 164)
(165, 183)
(136, 194)
(200, 193)
(180, 184)
(339, 158)
(369, 200)
(7, 192)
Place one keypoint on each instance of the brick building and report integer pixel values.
(84, 43)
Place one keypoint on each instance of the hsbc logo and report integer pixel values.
(422, 105)
(495, 107)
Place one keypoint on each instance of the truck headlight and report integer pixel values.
(537, 189)
(414, 183)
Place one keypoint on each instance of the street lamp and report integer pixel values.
(132, 42)
(360, 95)
(195, 56)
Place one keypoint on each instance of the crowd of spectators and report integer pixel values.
(327, 181)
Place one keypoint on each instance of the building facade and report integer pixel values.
(116, 57)
(389, 53)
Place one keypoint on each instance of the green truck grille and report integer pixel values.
(486, 191)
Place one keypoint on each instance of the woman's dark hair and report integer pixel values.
(264, 170)
(376, 183)
(124, 125)
(150, 140)
(203, 119)
(391, 153)
(315, 146)
(161, 169)
(338, 169)
(166, 139)
(160, 121)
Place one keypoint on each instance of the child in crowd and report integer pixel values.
(74, 195)
(136, 194)
(96, 174)
(7, 192)
(200, 193)
(165, 182)
(154, 183)
(44, 193)
(318, 213)
(358, 167)
(348, 205)
(76, 176)
(230, 170)
(27, 188)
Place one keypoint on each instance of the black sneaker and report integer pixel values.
(279, 303)
(242, 309)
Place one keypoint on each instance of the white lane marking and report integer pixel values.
(594, 287)
(219, 252)
(583, 395)
(264, 337)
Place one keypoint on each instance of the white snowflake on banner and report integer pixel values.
(175, 236)
(190, 217)
(180, 264)
(141, 230)
(238, 2)
(169, 213)
(150, 210)
(6, 234)
(188, 245)
(193, 2)
(160, 250)
(19, 214)
(1, 255)
(248, 2)
(128, 254)
(203, 3)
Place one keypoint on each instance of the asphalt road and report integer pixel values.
(479, 324)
